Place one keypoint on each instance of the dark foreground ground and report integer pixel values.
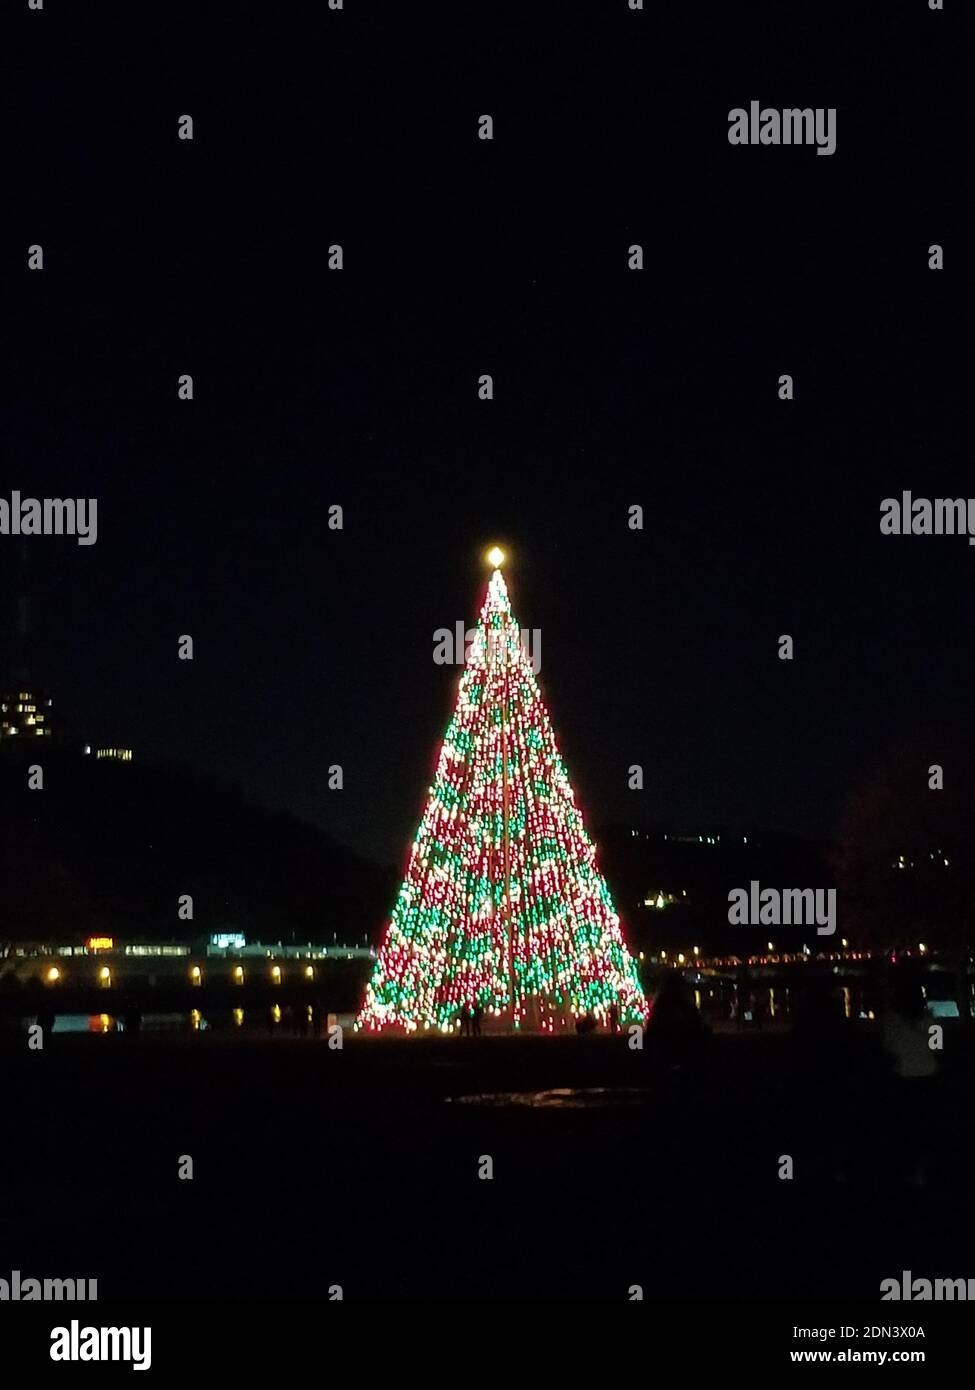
(315, 1167)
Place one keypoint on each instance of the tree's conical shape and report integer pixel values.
(502, 908)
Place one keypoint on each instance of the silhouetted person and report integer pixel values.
(45, 1020)
(614, 1017)
(676, 1031)
(476, 1012)
(586, 1024)
(132, 1018)
(914, 1085)
(828, 1094)
(820, 1035)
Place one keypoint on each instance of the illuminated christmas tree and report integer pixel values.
(503, 908)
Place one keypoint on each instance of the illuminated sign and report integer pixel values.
(100, 943)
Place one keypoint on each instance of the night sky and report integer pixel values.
(612, 388)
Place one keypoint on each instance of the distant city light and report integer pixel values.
(228, 939)
(53, 974)
(100, 943)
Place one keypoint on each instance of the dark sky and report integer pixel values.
(612, 387)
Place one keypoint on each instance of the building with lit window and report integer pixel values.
(106, 962)
(25, 712)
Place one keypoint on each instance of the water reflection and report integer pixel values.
(287, 1020)
(559, 1098)
(724, 1003)
(115, 1023)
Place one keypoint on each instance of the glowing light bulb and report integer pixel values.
(495, 557)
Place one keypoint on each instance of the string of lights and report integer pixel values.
(503, 908)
